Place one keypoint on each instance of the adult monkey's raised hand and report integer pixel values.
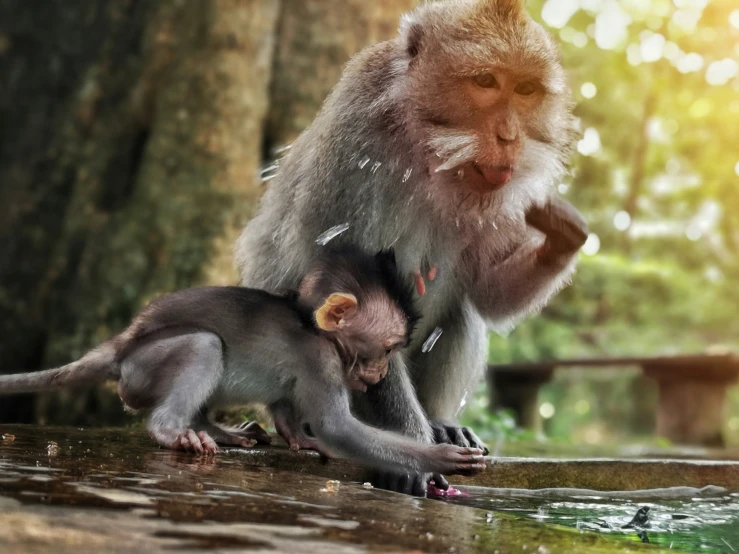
(438, 143)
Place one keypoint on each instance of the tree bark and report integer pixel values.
(128, 163)
(315, 40)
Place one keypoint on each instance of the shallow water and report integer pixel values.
(681, 519)
(65, 490)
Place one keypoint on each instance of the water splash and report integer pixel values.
(431, 341)
(283, 149)
(330, 234)
(270, 168)
(463, 402)
(363, 162)
(270, 172)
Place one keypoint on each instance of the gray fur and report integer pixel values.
(368, 159)
(199, 349)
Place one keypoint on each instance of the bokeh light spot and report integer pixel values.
(546, 410)
(622, 220)
(588, 90)
(592, 245)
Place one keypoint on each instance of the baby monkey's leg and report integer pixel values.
(179, 374)
(245, 435)
(288, 426)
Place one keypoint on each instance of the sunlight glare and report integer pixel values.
(592, 245)
(590, 142)
(588, 90)
(556, 13)
(720, 72)
(611, 26)
(622, 220)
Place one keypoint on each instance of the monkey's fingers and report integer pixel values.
(440, 433)
(208, 444)
(190, 442)
(408, 483)
(420, 283)
(463, 461)
(475, 441)
(561, 219)
(440, 481)
(457, 436)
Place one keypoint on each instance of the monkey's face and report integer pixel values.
(378, 330)
(490, 97)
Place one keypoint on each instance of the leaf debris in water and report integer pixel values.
(332, 486)
(431, 341)
(327, 236)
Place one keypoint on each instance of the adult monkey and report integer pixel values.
(444, 144)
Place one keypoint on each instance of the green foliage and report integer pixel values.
(660, 193)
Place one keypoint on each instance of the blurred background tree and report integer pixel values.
(132, 134)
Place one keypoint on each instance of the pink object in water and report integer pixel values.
(435, 492)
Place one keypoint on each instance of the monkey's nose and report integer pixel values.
(506, 137)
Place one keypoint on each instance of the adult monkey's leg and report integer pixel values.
(450, 371)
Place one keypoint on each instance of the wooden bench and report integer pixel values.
(692, 391)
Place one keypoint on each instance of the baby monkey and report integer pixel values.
(300, 354)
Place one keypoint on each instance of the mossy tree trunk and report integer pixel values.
(131, 143)
(131, 137)
(315, 39)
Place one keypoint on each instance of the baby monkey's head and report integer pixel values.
(360, 302)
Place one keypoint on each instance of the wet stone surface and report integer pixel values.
(70, 490)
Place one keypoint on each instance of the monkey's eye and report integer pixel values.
(388, 351)
(527, 88)
(486, 80)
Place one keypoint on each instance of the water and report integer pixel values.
(429, 343)
(327, 236)
(684, 520)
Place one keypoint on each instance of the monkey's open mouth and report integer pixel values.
(486, 178)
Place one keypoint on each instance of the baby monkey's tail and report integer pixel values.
(95, 366)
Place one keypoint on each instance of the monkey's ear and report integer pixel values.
(335, 310)
(412, 33)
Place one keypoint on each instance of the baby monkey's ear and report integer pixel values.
(335, 311)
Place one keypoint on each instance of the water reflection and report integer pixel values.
(682, 519)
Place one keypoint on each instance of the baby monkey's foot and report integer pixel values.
(246, 435)
(199, 443)
(296, 438)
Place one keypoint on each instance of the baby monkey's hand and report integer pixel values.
(459, 460)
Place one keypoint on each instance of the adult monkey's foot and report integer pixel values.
(446, 432)
(412, 482)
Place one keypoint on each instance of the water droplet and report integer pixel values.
(375, 167)
(463, 402)
(407, 174)
(270, 168)
(330, 234)
(364, 161)
(431, 341)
